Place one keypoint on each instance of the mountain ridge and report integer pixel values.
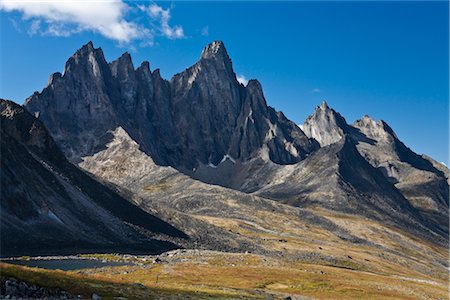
(216, 126)
(205, 124)
(48, 201)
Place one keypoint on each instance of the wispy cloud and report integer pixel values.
(242, 79)
(205, 31)
(65, 17)
(316, 91)
(113, 19)
(162, 17)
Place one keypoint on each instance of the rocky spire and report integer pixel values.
(215, 49)
(215, 55)
(324, 105)
(325, 125)
(378, 130)
(122, 66)
(87, 56)
(201, 115)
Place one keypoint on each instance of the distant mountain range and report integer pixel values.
(125, 156)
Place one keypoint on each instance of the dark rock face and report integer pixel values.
(201, 115)
(46, 201)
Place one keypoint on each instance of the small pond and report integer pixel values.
(66, 264)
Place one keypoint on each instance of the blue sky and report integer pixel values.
(385, 59)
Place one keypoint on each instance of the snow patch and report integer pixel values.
(249, 117)
(212, 165)
(290, 148)
(225, 157)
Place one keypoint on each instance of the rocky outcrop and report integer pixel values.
(205, 124)
(423, 185)
(49, 205)
(12, 288)
(336, 177)
(325, 125)
(198, 117)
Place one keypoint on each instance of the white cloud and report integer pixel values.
(65, 17)
(316, 91)
(205, 31)
(162, 16)
(242, 79)
(300, 126)
(110, 18)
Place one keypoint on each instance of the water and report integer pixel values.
(67, 264)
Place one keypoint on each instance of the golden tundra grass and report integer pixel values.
(356, 271)
(220, 275)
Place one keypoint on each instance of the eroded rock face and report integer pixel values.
(424, 185)
(78, 104)
(325, 125)
(200, 116)
(204, 123)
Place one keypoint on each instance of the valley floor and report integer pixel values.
(202, 274)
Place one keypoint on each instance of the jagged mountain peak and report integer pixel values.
(86, 50)
(87, 55)
(215, 57)
(125, 58)
(254, 84)
(123, 64)
(217, 115)
(324, 105)
(145, 65)
(325, 125)
(374, 129)
(214, 50)
(89, 46)
(9, 109)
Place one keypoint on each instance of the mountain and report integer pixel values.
(200, 117)
(326, 125)
(419, 181)
(50, 206)
(207, 125)
(208, 156)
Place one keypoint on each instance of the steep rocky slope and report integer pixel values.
(200, 116)
(424, 185)
(326, 125)
(284, 195)
(222, 219)
(49, 205)
(420, 182)
(205, 124)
